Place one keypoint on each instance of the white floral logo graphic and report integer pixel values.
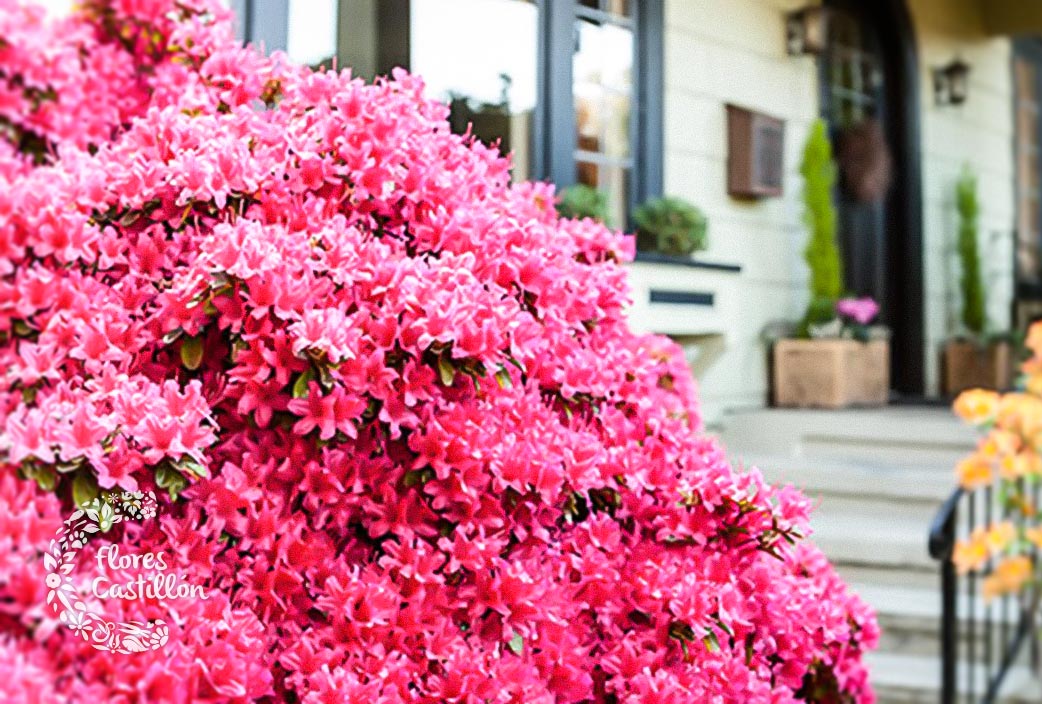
(98, 516)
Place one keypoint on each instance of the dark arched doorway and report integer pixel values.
(869, 74)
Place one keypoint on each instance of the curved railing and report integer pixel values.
(980, 640)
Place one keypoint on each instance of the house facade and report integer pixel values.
(632, 97)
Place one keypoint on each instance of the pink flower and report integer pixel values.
(861, 310)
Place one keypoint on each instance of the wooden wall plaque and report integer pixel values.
(755, 153)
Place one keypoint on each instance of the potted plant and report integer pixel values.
(581, 201)
(837, 358)
(671, 226)
(973, 358)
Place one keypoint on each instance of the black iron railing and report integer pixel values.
(981, 640)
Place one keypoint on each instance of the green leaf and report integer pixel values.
(325, 378)
(711, 642)
(446, 371)
(417, 477)
(170, 479)
(517, 644)
(84, 488)
(192, 353)
(503, 378)
(300, 386)
(681, 631)
(187, 464)
(46, 478)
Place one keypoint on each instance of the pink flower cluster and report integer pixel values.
(860, 310)
(408, 442)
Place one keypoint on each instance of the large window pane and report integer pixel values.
(602, 75)
(479, 56)
(311, 31)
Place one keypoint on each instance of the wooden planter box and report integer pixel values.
(968, 365)
(831, 373)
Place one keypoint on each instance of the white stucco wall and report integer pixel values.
(978, 133)
(733, 51)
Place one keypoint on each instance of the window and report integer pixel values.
(1027, 81)
(480, 57)
(311, 31)
(602, 89)
(572, 88)
(853, 72)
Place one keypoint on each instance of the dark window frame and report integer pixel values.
(553, 132)
(1029, 49)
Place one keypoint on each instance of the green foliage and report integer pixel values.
(973, 315)
(671, 226)
(822, 252)
(582, 201)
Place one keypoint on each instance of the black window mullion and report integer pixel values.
(558, 128)
(646, 123)
(267, 23)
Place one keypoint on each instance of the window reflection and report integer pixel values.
(602, 73)
(311, 31)
(479, 56)
(1029, 195)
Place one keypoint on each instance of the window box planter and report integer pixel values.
(968, 364)
(832, 373)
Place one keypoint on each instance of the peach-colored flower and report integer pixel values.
(977, 406)
(970, 555)
(974, 472)
(1034, 535)
(1000, 535)
(1034, 338)
(1008, 577)
(999, 443)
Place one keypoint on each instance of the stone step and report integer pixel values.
(911, 579)
(910, 618)
(888, 541)
(864, 480)
(901, 437)
(911, 679)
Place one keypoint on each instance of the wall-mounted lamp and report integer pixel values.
(951, 83)
(806, 31)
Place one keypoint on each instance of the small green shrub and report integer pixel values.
(670, 226)
(822, 252)
(973, 315)
(582, 201)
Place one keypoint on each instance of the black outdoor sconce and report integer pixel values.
(951, 83)
(806, 31)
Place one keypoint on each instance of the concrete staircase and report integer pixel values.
(880, 476)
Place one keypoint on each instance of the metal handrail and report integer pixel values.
(942, 538)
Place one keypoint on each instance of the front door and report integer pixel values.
(868, 97)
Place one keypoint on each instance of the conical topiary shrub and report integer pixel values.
(822, 251)
(397, 424)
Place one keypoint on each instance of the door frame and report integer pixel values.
(904, 267)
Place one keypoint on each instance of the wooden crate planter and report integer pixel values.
(968, 365)
(831, 373)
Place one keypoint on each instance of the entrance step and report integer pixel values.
(878, 477)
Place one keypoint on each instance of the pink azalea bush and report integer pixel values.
(401, 430)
